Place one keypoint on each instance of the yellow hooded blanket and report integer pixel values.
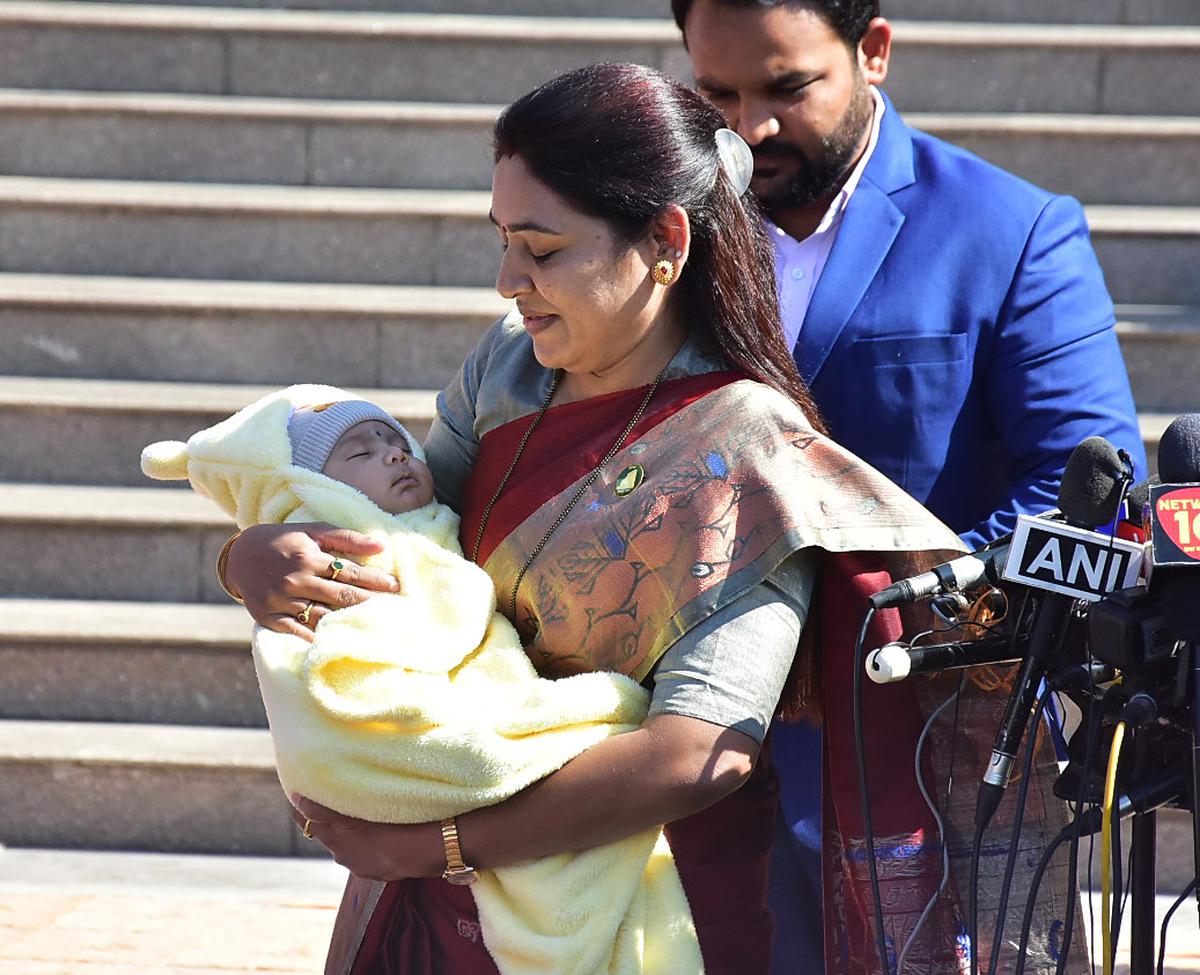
(414, 707)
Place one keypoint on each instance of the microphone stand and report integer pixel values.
(1194, 647)
(1142, 868)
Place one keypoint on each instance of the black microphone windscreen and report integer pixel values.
(1179, 450)
(1090, 492)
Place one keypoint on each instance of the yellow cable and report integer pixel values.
(1110, 790)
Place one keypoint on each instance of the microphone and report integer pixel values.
(1175, 548)
(895, 661)
(1133, 523)
(958, 574)
(1088, 495)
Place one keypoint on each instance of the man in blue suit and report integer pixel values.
(950, 318)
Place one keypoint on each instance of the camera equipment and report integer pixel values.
(1108, 590)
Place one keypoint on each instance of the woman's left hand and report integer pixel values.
(373, 851)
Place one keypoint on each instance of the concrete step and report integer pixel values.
(245, 139)
(169, 788)
(1052, 11)
(1149, 254)
(1130, 159)
(110, 543)
(68, 912)
(420, 237)
(72, 326)
(1161, 346)
(110, 421)
(162, 663)
(937, 66)
(239, 332)
(237, 232)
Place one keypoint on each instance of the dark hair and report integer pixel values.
(620, 142)
(848, 18)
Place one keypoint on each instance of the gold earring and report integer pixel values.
(664, 272)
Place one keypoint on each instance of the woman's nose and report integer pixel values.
(512, 280)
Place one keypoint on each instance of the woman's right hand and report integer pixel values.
(280, 570)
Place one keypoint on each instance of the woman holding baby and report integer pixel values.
(644, 476)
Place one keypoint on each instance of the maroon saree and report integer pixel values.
(721, 480)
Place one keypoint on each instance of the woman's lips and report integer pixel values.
(538, 323)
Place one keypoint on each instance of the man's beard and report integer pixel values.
(820, 177)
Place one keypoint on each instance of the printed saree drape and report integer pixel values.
(720, 481)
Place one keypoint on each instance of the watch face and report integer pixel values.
(461, 877)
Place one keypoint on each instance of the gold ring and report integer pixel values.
(307, 830)
(303, 615)
(335, 567)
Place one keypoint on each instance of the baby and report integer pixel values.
(420, 705)
(362, 445)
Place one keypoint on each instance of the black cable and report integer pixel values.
(1092, 939)
(941, 824)
(861, 755)
(1010, 863)
(1114, 921)
(1162, 935)
(1091, 724)
(1035, 883)
(980, 827)
(1122, 899)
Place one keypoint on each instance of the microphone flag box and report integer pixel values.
(1175, 524)
(1072, 561)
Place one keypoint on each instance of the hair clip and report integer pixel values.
(736, 159)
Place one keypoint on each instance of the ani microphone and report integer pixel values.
(1089, 495)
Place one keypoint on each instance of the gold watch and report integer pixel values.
(456, 872)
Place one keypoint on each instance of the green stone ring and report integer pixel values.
(335, 567)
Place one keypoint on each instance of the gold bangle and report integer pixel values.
(223, 565)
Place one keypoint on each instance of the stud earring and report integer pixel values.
(664, 272)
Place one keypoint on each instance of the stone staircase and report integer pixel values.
(201, 203)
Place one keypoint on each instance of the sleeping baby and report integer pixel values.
(420, 705)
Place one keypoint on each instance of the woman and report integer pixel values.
(643, 474)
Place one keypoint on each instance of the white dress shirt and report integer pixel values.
(799, 263)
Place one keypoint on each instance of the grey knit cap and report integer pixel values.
(314, 430)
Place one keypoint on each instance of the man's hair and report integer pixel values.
(848, 18)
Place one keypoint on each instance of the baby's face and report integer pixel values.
(377, 460)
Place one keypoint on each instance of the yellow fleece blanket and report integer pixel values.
(413, 707)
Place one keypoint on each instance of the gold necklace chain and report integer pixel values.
(591, 478)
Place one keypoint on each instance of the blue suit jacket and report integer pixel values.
(960, 338)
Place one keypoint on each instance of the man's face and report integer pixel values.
(790, 86)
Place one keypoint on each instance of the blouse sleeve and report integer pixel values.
(451, 445)
(730, 669)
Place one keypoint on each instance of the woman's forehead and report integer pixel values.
(522, 202)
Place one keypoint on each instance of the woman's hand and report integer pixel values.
(374, 851)
(284, 574)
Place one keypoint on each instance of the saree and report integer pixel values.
(719, 482)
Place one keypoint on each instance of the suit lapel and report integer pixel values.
(869, 228)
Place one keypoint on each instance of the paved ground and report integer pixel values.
(145, 914)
